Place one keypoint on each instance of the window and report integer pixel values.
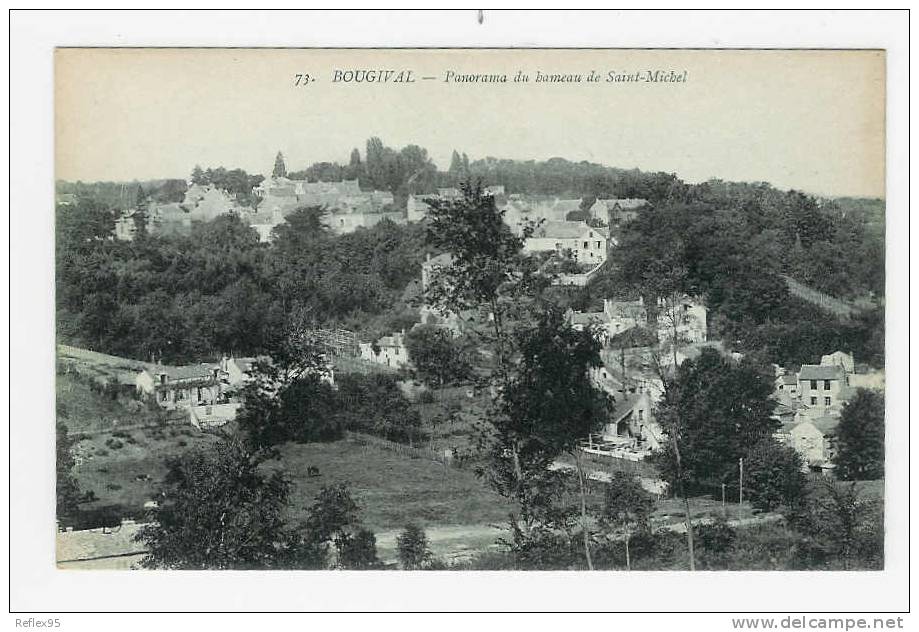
(641, 415)
(813, 401)
(826, 401)
(826, 385)
(598, 244)
(814, 385)
(164, 396)
(585, 244)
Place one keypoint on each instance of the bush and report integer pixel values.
(714, 543)
(412, 544)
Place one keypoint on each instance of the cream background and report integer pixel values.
(805, 119)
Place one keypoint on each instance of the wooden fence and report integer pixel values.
(831, 304)
(413, 452)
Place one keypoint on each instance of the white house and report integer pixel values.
(822, 386)
(181, 386)
(815, 441)
(585, 244)
(389, 351)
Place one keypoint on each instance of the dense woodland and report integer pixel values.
(218, 290)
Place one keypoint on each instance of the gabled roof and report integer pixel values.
(187, 372)
(821, 372)
(789, 379)
(561, 230)
(568, 205)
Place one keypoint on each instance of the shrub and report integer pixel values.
(412, 544)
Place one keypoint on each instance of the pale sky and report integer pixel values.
(809, 120)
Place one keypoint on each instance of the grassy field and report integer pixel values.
(392, 490)
(100, 366)
(127, 471)
(83, 409)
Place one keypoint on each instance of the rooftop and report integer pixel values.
(821, 372)
(562, 230)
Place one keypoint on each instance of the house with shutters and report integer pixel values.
(822, 386)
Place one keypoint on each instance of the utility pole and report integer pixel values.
(741, 485)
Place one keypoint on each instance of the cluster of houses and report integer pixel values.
(207, 392)
(683, 317)
(349, 207)
(584, 239)
(810, 403)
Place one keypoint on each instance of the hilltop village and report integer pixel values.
(515, 343)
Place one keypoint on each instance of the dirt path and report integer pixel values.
(453, 543)
(450, 542)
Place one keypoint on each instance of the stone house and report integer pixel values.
(181, 386)
(822, 386)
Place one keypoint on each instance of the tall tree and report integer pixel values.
(280, 169)
(456, 164)
(547, 407)
(197, 175)
(860, 437)
(627, 509)
(333, 523)
(724, 407)
(773, 476)
(218, 510)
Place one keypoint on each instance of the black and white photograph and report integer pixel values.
(491, 312)
(325, 338)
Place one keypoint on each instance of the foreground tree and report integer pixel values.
(861, 437)
(841, 527)
(724, 408)
(627, 509)
(549, 405)
(773, 475)
(217, 511)
(412, 545)
(334, 523)
(69, 495)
